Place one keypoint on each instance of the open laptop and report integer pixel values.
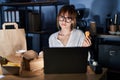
(65, 60)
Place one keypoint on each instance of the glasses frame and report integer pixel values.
(66, 19)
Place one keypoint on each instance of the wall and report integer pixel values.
(98, 9)
(94, 9)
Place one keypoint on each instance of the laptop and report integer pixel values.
(65, 60)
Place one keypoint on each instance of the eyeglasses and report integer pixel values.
(67, 19)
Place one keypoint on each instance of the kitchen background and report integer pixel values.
(97, 10)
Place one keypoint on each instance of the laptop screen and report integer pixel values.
(65, 60)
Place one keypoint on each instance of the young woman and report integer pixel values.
(68, 36)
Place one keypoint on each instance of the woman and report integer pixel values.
(68, 36)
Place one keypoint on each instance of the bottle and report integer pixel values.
(92, 27)
(112, 28)
(108, 23)
(116, 21)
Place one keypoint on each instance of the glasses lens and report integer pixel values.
(61, 18)
(67, 19)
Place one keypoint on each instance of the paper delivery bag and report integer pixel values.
(12, 40)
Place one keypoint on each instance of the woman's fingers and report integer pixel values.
(87, 42)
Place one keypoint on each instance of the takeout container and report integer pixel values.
(28, 57)
(10, 70)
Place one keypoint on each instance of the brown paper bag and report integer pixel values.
(37, 64)
(12, 40)
(30, 55)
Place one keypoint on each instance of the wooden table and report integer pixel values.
(39, 75)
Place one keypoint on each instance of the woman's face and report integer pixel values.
(65, 21)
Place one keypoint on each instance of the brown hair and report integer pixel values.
(70, 9)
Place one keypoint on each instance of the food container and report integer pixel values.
(10, 68)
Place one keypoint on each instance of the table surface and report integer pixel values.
(39, 74)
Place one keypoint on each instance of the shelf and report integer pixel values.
(108, 36)
(42, 3)
(41, 32)
(25, 13)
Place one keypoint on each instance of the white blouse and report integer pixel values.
(75, 40)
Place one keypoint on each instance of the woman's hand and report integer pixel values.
(87, 41)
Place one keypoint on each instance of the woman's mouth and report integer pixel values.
(63, 24)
